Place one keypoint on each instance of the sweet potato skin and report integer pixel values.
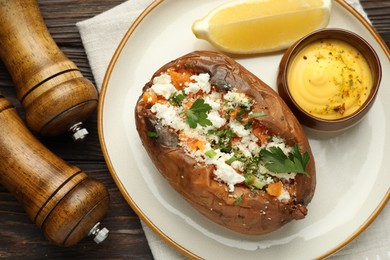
(257, 213)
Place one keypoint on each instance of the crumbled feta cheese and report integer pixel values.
(224, 172)
(168, 115)
(197, 155)
(238, 128)
(192, 88)
(254, 148)
(201, 83)
(267, 180)
(162, 79)
(248, 146)
(243, 149)
(237, 98)
(286, 175)
(162, 86)
(215, 95)
(227, 174)
(216, 119)
(279, 142)
(213, 101)
(192, 132)
(284, 196)
(238, 165)
(262, 170)
(251, 142)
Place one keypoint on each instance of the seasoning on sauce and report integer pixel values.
(329, 79)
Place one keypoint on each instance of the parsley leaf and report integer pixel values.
(197, 114)
(276, 161)
(177, 98)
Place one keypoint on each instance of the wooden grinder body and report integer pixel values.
(61, 199)
(50, 87)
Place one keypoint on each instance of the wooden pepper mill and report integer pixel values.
(61, 199)
(53, 92)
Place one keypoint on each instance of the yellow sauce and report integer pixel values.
(329, 79)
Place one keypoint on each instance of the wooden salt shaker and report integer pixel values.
(61, 199)
(53, 92)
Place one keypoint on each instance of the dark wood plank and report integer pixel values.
(21, 239)
(378, 12)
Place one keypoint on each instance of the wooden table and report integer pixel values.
(19, 237)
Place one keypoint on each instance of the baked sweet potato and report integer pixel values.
(227, 143)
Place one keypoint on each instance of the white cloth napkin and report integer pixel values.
(102, 34)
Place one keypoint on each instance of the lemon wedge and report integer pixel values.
(261, 26)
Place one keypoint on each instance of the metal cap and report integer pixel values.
(79, 132)
(100, 234)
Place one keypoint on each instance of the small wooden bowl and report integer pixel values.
(326, 125)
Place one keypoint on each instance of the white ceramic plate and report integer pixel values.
(353, 174)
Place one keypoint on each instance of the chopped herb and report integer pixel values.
(248, 125)
(217, 132)
(232, 159)
(153, 134)
(221, 84)
(251, 164)
(258, 114)
(240, 114)
(225, 144)
(225, 136)
(197, 114)
(228, 112)
(238, 201)
(351, 83)
(253, 182)
(188, 65)
(276, 161)
(177, 98)
(210, 153)
(249, 179)
(258, 184)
